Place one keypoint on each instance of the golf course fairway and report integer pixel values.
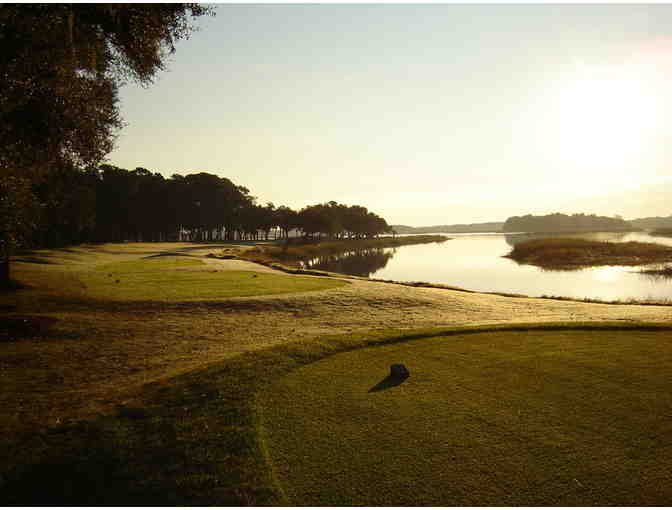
(506, 418)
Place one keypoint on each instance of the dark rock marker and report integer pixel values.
(398, 374)
(399, 371)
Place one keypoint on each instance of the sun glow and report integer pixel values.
(606, 122)
(608, 274)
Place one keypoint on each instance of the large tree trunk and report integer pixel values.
(4, 272)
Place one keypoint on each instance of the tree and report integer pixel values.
(60, 69)
(67, 198)
(287, 219)
(268, 219)
(18, 216)
(558, 222)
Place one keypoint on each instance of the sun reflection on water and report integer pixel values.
(608, 274)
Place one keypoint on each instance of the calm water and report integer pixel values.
(475, 262)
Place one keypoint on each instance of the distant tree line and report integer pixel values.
(491, 226)
(111, 204)
(653, 222)
(558, 222)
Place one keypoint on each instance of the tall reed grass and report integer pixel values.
(570, 253)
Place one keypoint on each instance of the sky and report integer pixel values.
(426, 114)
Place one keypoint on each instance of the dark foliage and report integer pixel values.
(558, 222)
(362, 262)
(653, 222)
(60, 69)
(19, 212)
(113, 204)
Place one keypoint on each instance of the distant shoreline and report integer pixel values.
(459, 228)
(599, 223)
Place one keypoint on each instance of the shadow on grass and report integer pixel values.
(71, 482)
(169, 254)
(221, 244)
(75, 472)
(12, 286)
(140, 457)
(47, 256)
(16, 327)
(389, 382)
(33, 260)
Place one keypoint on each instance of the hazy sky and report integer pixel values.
(425, 114)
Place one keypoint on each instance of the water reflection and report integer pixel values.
(659, 272)
(363, 262)
(477, 262)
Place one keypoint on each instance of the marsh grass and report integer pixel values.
(568, 253)
(662, 271)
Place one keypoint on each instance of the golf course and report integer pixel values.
(510, 418)
(158, 374)
(335, 255)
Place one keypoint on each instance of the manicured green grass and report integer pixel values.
(197, 439)
(531, 418)
(569, 253)
(170, 279)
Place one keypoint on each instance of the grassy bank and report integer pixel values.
(183, 278)
(95, 407)
(132, 275)
(88, 325)
(569, 253)
(294, 252)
